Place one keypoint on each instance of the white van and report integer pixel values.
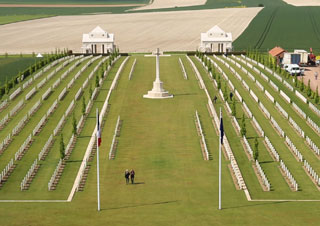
(292, 69)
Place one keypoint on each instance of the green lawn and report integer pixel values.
(158, 138)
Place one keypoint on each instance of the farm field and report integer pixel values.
(275, 24)
(11, 65)
(66, 32)
(303, 3)
(159, 4)
(159, 139)
(75, 2)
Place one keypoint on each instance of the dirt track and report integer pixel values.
(65, 5)
(138, 32)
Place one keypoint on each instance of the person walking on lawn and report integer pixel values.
(132, 174)
(127, 175)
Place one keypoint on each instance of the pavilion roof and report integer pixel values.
(216, 34)
(98, 35)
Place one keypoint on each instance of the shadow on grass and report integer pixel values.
(139, 205)
(137, 183)
(266, 162)
(74, 160)
(84, 137)
(253, 205)
(185, 94)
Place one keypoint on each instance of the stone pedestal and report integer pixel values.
(157, 91)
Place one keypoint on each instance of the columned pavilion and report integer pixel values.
(98, 41)
(216, 40)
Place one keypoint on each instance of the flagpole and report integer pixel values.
(220, 164)
(98, 173)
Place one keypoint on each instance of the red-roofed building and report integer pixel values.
(277, 52)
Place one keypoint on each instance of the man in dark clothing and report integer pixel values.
(126, 175)
(132, 173)
(215, 99)
(231, 95)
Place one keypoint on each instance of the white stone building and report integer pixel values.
(216, 40)
(98, 41)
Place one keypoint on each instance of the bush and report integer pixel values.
(256, 149)
(243, 130)
(62, 148)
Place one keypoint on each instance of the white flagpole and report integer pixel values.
(98, 173)
(220, 164)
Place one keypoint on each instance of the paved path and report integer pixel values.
(309, 74)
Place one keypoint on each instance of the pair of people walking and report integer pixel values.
(130, 175)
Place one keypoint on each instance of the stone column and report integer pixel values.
(157, 66)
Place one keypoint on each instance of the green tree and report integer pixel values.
(74, 124)
(101, 73)
(256, 149)
(7, 87)
(214, 74)
(83, 105)
(296, 81)
(97, 80)
(234, 109)
(225, 92)
(219, 82)
(90, 91)
(243, 130)
(30, 70)
(302, 85)
(6, 55)
(309, 89)
(209, 67)
(62, 148)
(316, 99)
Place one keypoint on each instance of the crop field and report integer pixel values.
(162, 141)
(94, 2)
(66, 32)
(277, 24)
(10, 66)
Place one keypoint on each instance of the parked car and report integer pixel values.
(293, 69)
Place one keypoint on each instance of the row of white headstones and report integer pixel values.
(295, 106)
(285, 114)
(19, 153)
(20, 104)
(248, 148)
(93, 139)
(293, 148)
(203, 140)
(234, 165)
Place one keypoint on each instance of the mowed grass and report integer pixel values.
(158, 139)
